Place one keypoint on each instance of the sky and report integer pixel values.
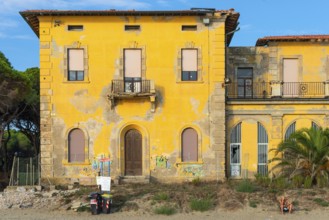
(258, 18)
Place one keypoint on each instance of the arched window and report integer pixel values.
(76, 148)
(235, 151)
(262, 140)
(291, 129)
(315, 126)
(189, 145)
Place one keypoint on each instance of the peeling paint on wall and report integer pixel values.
(195, 104)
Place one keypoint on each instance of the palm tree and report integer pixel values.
(305, 152)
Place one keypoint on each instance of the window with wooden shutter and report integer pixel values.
(76, 141)
(75, 64)
(189, 64)
(132, 70)
(189, 145)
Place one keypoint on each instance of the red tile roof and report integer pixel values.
(292, 38)
(31, 16)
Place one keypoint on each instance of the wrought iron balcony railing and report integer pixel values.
(253, 91)
(264, 90)
(132, 87)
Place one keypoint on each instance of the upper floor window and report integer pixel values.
(189, 145)
(132, 70)
(76, 146)
(290, 77)
(76, 65)
(132, 27)
(75, 27)
(189, 27)
(189, 64)
(244, 77)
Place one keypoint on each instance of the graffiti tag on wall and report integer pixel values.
(192, 170)
(162, 162)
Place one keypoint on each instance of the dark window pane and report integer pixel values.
(75, 27)
(245, 72)
(80, 76)
(72, 76)
(185, 76)
(189, 75)
(235, 154)
(193, 76)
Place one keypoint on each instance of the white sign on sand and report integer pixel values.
(104, 182)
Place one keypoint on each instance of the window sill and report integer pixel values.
(200, 162)
(76, 82)
(201, 81)
(66, 163)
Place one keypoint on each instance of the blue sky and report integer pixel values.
(258, 18)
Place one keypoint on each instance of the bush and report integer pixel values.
(321, 202)
(308, 182)
(321, 181)
(84, 191)
(201, 204)
(297, 181)
(83, 209)
(246, 186)
(280, 183)
(165, 210)
(262, 180)
(161, 196)
(253, 204)
(196, 181)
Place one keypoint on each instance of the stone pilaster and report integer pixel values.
(277, 130)
(217, 100)
(46, 146)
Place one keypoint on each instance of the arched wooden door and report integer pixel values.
(133, 153)
(76, 146)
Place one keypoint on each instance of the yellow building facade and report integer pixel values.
(160, 95)
(137, 95)
(277, 87)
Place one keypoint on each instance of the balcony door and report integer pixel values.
(245, 76)
(132, 70)
(290, 78)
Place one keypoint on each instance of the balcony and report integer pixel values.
(132, 88)
(278, 89)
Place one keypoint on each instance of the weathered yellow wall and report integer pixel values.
(178, 104)
(275, 114)
(313, 58)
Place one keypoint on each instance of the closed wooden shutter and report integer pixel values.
(133, 63)
(76, 60)
(290, 78)
(189, 145)
(189, 60)
(76, 146)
